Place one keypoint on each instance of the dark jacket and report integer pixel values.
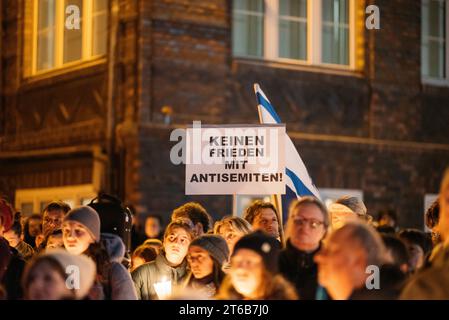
(148, 274)
(391, 281)
(299, 268)
(281, 289)
(11, 281)
(432, 283)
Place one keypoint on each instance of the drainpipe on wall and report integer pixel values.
(110, 120)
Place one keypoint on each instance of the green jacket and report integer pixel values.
(148, 274)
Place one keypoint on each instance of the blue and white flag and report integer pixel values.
(297, 177)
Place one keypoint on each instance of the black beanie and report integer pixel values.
(264, 245)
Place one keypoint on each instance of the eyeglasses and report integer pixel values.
(312, 223)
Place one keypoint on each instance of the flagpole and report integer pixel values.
(276, 199)
(234, 205)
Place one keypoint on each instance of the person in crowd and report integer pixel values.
(432, 283)
(53, 215)
(157, 279)
(232, 228)
(47, 275)
(32, 228)
(418, 245)
(13, 235)
(264, 216)
(206, 256)
(142, 254)
(153, 226)
(387, 219)
(5, 258)
(156, 244)
(307, 225)
(54, 240)
(81, 235)
(347, 208)
(254, 271)
(196, 214)
(431, 219)
(396, 252)
(11, 261)
(146, 228)
(352, 257)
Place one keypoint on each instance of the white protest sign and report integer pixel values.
(235, 159)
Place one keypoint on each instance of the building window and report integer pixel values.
(248, 22)
(314, 32)
(55, 45)
(434, 37)
(34, 200)
(335, 31)
(293, 29)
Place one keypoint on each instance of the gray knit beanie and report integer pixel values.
(215, 245)
(88, 217)
(353, 203)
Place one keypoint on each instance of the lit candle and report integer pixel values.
(163, 289)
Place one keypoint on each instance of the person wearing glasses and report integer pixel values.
(306, 227)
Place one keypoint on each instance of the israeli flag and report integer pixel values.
(297, 177)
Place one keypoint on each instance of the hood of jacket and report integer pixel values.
(114, 246)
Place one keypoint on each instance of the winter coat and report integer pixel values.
(281, 289)
(25, 250)
(391, 282)
(148, 274)
(120, 284)
(203, 287)
(299, 268)
(431, 283)
(11, 281)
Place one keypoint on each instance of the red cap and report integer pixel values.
(6, 214)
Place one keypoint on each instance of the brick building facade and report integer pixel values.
(379, 129)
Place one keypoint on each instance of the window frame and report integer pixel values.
(314, 36)
(432, 80)
(60, 17)
(73, 193)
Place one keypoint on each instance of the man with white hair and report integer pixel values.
(346, 209)
(348, 262)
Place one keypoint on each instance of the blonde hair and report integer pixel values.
(307, 200)
(236, 223)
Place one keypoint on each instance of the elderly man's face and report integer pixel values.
(339, 261)
(340, 215)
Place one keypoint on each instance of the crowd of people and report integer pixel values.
(335, 252)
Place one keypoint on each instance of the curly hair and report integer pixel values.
(254, 209)
(432, 216)
(195, 212)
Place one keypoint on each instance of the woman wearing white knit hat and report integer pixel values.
(59, 275)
